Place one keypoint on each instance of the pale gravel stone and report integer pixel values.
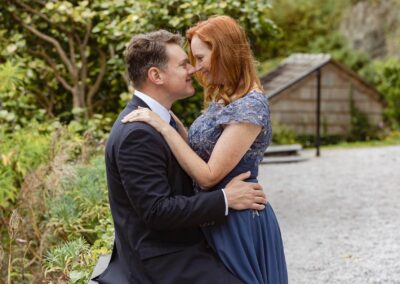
(339, 215)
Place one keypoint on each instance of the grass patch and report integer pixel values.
(390, 140)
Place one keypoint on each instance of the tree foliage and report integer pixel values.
(17, 105)
(385, 75)
(73, 49)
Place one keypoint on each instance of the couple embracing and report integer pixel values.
(186, 206)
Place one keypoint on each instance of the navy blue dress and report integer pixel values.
(249, 243)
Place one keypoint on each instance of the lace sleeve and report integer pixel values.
(252, 108)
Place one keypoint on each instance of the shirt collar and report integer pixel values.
(154, 106)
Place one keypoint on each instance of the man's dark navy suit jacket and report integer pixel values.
(153, 205)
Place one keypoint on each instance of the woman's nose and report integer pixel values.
(197, 68)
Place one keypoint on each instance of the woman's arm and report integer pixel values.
(230, 148)
(232, 145)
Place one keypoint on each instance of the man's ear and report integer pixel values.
(155, 76)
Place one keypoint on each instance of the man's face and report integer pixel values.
(178, 73)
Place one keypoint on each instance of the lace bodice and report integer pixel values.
(252, 108)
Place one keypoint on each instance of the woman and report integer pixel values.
(229, 138)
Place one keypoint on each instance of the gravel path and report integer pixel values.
(339, 215)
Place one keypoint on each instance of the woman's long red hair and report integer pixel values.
(231, 59)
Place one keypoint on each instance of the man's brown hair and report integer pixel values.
(148, 50)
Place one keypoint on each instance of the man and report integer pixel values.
(156, 213)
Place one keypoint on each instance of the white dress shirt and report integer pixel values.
(166, 116)
(154, 106)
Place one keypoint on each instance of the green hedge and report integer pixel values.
(54, 204)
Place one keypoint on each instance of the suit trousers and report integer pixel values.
(197, 264)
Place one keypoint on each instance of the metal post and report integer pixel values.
(318, 137)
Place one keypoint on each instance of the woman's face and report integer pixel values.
(202, 53)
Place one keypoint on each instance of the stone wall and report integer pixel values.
(373, 27)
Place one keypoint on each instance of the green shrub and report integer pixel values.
(21, 152)
(81, 210)
(17, 106)
(81, 203)
(60, 260)
(282, 134)
(385, 74)
(58, 184)
(361, 130)
(309, 141)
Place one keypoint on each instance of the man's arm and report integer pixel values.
(242, 195)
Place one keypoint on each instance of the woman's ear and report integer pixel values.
(155, 76)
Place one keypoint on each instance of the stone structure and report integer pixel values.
(373, 27)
